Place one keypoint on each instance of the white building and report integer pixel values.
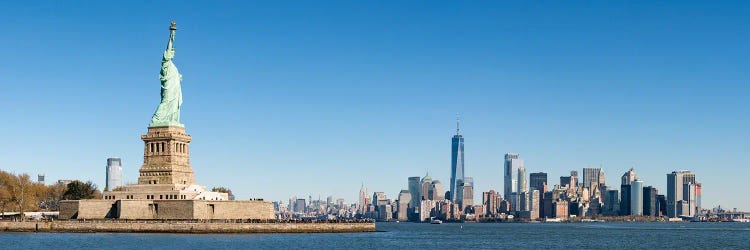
(114, 173)
(636, 197)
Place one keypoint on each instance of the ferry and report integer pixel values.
(435, 221)
(592, 220)
(552, 220)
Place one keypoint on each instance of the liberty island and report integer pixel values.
(167, 195)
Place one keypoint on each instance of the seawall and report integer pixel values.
(181, 227)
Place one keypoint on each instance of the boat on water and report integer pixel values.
(552, 220)
(592, 220)
(435, 221)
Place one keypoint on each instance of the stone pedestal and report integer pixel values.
(166, 157)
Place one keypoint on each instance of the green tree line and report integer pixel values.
(18, 193)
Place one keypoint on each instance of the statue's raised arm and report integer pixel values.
(169, 52)
(168, 112)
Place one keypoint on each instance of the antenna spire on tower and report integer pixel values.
(458, 124)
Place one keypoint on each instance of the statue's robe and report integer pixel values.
(168, 112)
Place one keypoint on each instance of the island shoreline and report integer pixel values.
(183, 227)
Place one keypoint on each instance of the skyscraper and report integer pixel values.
(650, 205)
(512, 163)
(467, 192)
(534, 204)
(426, 186)
(688, 195)
(612, 202)
(538, 181)
(415, 187)
(627, 179)
(490, 201)
(114, 173)
(362, 201)
(457, 161)
(675, 193)
(636, 197)
(436, 191)
(404, 199)
(523, 186)
(574, 178)
(593, 178)
(625, 199)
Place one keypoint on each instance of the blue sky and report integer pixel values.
(313, 98)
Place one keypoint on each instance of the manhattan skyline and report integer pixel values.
(305, 99)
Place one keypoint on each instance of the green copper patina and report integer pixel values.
(168, 112)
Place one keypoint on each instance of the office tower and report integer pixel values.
(534, 204)
(362, 201)
(523, 185)
(292, 201)
(628, 177)
(457, 162)
(512, 163)
(415, 188)
(523, 201)
(565, 181)
(625, 198)
(538, 181)
(114, 174)
(675, 193)
(436, 192)
(593, 178)
(404, 199)
(469, 181)
(425, 210)
(300, 206)
(636, 197)
(467, 193)
(661, 201)
(513, 201)
(378, 198)
(490, 201)
(385, 212)
(650, 207)
(688, 190)
(698, 190)
(426, 186)
(574, 178)
(612, 202)
(561, 209)
(40, 178)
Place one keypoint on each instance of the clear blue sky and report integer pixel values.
(312, 98)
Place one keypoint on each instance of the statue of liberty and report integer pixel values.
(168, 112)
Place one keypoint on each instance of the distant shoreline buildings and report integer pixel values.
(525, 197)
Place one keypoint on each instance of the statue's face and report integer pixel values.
(169, 54)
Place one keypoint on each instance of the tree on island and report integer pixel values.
(19, 193)
(78, 190)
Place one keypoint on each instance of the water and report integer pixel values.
(423, 236)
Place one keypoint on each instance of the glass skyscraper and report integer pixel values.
(512, 163)
(457, 163)
(114, 173)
